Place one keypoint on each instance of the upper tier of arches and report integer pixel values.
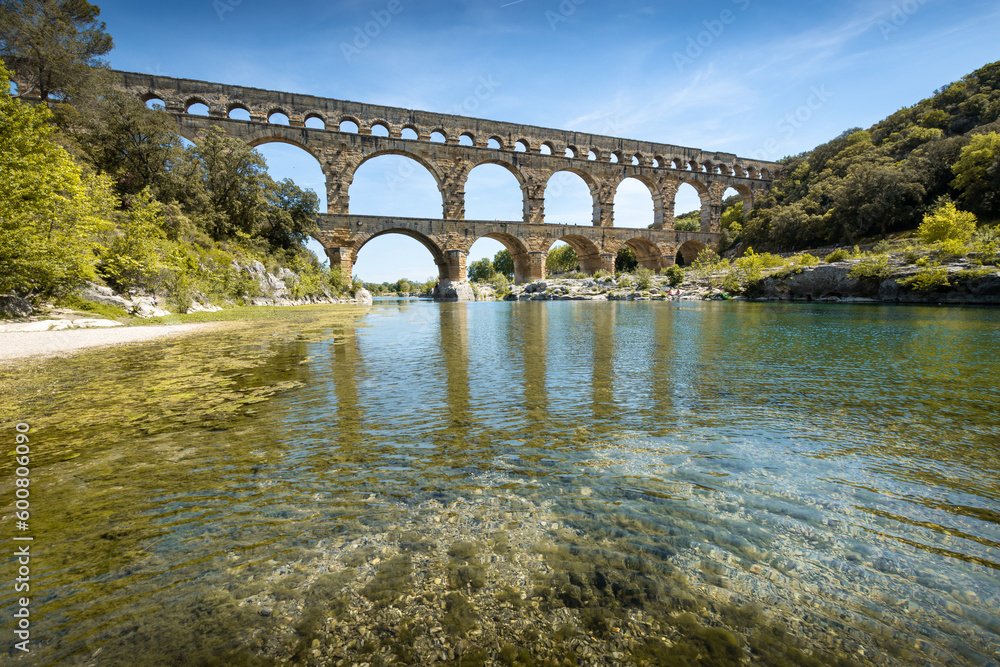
(179, 95)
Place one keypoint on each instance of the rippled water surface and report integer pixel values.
(670, 483)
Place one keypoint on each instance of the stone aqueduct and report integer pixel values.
(450, 147)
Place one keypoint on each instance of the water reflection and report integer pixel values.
(829, 471)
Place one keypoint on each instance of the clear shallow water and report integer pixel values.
(807, 482)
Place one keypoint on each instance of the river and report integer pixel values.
(510, 483)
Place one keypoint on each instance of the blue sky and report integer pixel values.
(744, 76)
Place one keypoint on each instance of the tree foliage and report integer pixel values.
(481, 271)
(562, 259)
(52, 46)
(503, 264)
(885, 178)
(52, 212)
(947, 223)
(977, 174)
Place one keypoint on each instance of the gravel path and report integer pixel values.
(17, 345)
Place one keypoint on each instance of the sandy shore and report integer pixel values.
(19, 345)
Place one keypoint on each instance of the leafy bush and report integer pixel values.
(675, 275)
(501, 286)
(769, 261)
(337, 282)
(951, 249)
(625, 280)
(804, 259)
(927, 280)
(837, 255)
(947, 223)
(986, 242)
(644, 278)
(744, 271)
(481, 271)
(871, 267)
(600, 273)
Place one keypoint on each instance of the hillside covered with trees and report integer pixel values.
(95, 186)
(873, 182)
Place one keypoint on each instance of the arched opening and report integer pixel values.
(409, 133)
(647, 255)
(493, 192)
(613, 158)
(561, 259)
(151, 103)
(294, 163)
(593, 156)
(688, 252)
(765, 174)
(545, 149)
(466, 140)
(315, 122)
(634, 206)
(521, 146)
(197, 109)
(380, 130)
(571, 151)
(736, 203)
(240, 113)
(636, 160)
(398, 258)
(503, 254)
(494, 143)
(588, 255)
(656, 163)
(349, 127)
(687, 208)
(278, 118)
(568, 200)
(395, 185)
(438, 137)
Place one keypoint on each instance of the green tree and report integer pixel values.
(977, 174)
(292, 214)
(51, 212)
(235, 177)
(947, 223)
(503, 264)
(133, 255)
(481, 271)
(688, 222)
(879, 197)
(134, 145)
(562, 259)
(52, 45)
(625, 260)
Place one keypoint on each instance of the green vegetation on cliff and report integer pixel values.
(884, 179)
(95, 186)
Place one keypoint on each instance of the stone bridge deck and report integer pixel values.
(449, 242)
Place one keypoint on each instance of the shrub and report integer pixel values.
(871, 267)
(986, 242)
(600, 273)
(675, 275)
(805, 259)
(769, 261)
(927, 279)
(625, 280)
(947, 223)
(338, 283)
(837, 255)
(745, 270)
(951, 249)
(644, 278)
(501, 286)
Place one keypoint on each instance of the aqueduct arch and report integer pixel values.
(532, 154)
